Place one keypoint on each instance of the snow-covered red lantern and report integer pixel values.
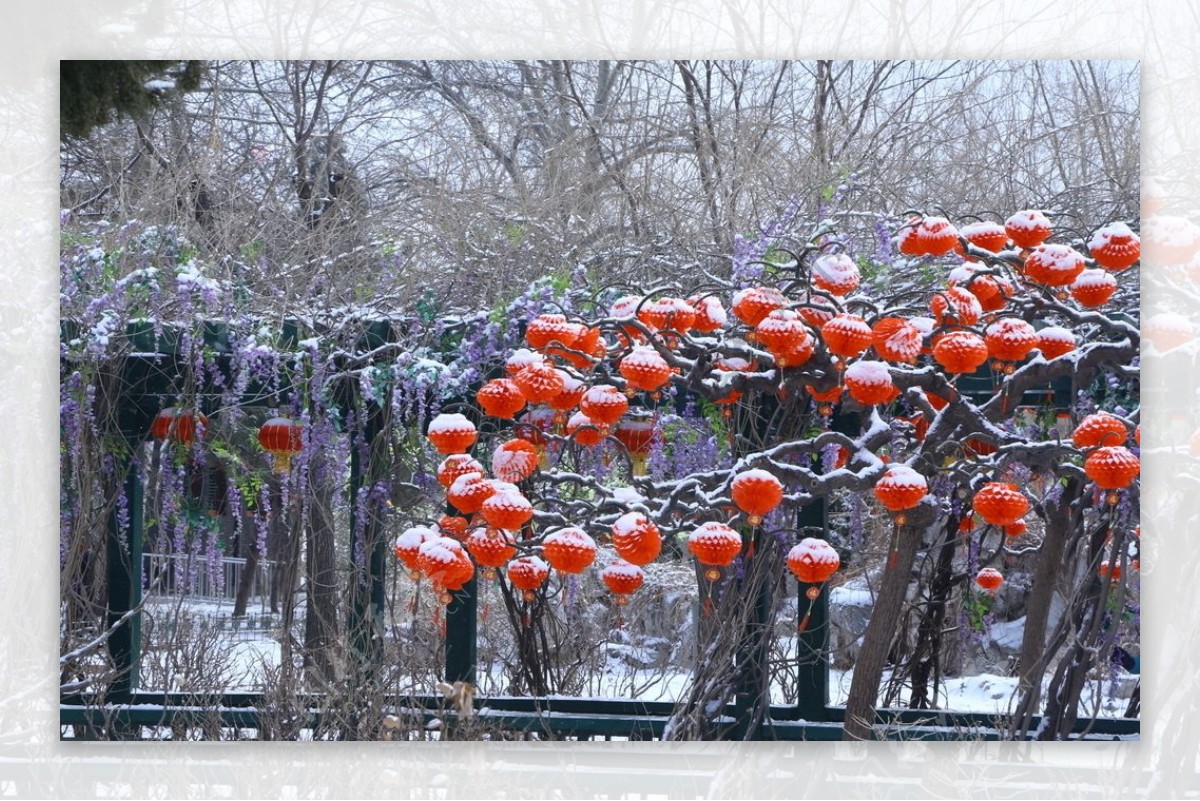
(1109, 570)
(534, 424)
(815, 310)
(407, 547)
(539, 383)
(547, 328)
(753, 304)
(177, 424)
(936, 236)
(522, 358)
(455, 465)
(900, 489)
(282, 438)
(989, 579)
(584, 430)
(669, 314)
(1000, 504)
(1112, 467)
(710, 314)
(469, 491)
(515, 460)
(645, 369)
(897, 340)
(1168, 330)
(507, 509)
(527, 573)
(786, 336)
(1010, 340)
(446, 563)
(1115, 247)
(604, 404)
(636, 539)
(491, 548)
(987, 235)
(955, 306)
(757, 493)
(835, 273)
(813, 561)
(451, 433)
(960, 352)
(1100, 428)
(847, 335)
(870, 383)
(569, 550)
(1093, 288)
(714, 545)
(622, 579)
(572, 393)
(1054, 265)
(1054, 341)
(1028, 228)
(500, 397)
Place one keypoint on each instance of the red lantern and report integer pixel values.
(507, 509)
(281, 438)
(989, 236)
(757, 493)
(515, 461)
(936, 236)
(637, 435)
(814, 309)
(955, 306)
(539, 383)
(989, 579)
(491, 548)
(753, 304)
(1093, 288)
(960, 352)
(669, 314)
(547, 328)
(1109, 570)
(1055, 341)
(445, 562)
(178, 424)
(643, 368)
(527, 574)
(604, 404)
(584, 430)
(500, 398)
(522, 358)
(572, 393)
(835, 273)
(710, 314)
(453, 526)
(569, 550)
(1115, 247)
(1054, 265)
(636, 539)
(622, 580)
(847, 335)
(870, 383)
(1016, 529)
(784, 334)
(1100, 428)
(455, 465)
(1000, 504)
(901, 489)
(1112, 468)
(1010, 339)
(897, 340)
(715, 545)
(813, 561)
(468, 492)
(451, 433)
(408, 546)
(1027, 229)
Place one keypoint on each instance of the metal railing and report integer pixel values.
(191, 576)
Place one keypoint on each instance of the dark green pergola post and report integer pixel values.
(124, 575)
(462, 625)
(812, 673)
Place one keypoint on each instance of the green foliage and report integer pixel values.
(94, 93)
